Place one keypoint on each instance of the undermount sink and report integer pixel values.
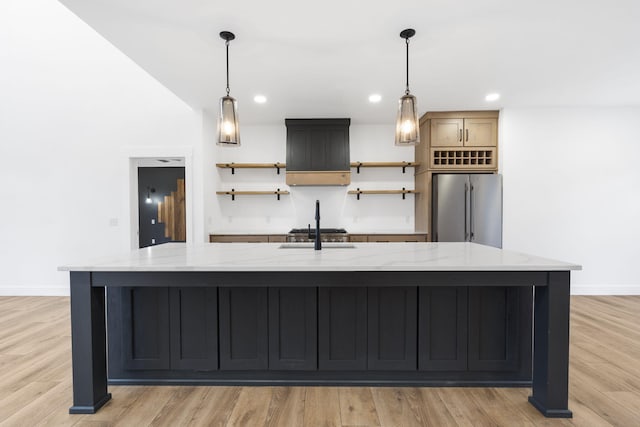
(325, 245)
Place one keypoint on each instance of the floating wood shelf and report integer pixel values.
(234, 166)
(404, 192)
(403, 165)
(233, 193)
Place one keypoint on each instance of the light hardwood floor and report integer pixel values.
(35, 383)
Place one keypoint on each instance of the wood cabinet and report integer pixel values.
(458, 140)
(379, 237)
(247, 238)
(464, 132)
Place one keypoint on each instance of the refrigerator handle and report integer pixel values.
(466, 231)
(471, 213)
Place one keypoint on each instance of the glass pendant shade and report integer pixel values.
(407, 125)
(228, 123)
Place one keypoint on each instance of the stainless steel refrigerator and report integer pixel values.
(467, 208)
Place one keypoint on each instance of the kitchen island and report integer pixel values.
(420, 314)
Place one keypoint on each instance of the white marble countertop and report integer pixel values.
(339, 257)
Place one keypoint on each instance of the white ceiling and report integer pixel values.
(324, 58)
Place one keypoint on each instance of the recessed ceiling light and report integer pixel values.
(492, 97)
(260, 99)
(375, 98)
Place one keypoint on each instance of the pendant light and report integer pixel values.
(228, 125)
(407, 126)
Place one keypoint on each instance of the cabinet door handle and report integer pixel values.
(460, 135)
(467, 130)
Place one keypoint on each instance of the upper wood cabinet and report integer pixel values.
(458, 141)
(464, 132)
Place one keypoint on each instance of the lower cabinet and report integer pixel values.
(438, 332)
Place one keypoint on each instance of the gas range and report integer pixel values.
(326, 235)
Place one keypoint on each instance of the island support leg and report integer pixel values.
(551, 347)
(88, 345)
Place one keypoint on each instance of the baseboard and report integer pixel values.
(605, 289)
(30, 291)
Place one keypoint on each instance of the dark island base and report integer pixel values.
(394, 336)
(413, 329)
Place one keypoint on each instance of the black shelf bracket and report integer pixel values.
(278, 172)
(359, 192)
(233, 170)
(358, 171)
(278, 190)
(404, 168)
(404, 194)
(233, 196)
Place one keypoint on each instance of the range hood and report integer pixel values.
(318, 152)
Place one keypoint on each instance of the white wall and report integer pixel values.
(72, 109)
(265, 214)
(571, 191)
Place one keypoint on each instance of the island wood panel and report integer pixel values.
(392, 328)
(342, 328)
(293, 329)
(442, 326)
(145, 328)
(194, 328)
(160, 329)
(243, 331)
(500, 329)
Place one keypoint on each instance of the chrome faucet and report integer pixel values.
(318, 243)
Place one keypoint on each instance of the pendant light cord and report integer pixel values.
(407, 90)
(227, 45)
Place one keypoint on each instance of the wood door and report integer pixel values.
(447, 132)
(293, 329)
(392, 328)
(442, 326)
(243, 328)
(194, 328)
(342, 328)
(481, 132)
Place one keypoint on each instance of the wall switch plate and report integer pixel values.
(113, 222)
(153, 241)
(153, 221)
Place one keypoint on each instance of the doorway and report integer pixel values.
(161, 205)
